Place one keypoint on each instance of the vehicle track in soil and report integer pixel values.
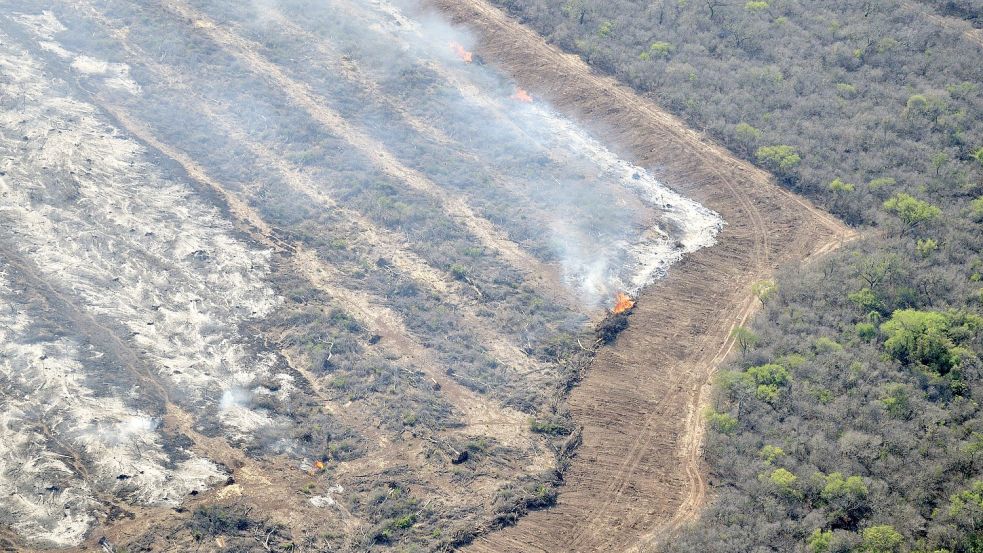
(638, 476)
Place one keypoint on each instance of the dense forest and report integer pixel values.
(851, 419)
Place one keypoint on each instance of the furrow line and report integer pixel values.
(300, 94)
(477, 411)
(384, 242)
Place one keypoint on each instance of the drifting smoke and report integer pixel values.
(521, 95)
(612, 226)
(607, 224)
(461, 53)
(131, 428)
(233, 399)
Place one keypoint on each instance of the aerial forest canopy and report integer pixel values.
(850, 420)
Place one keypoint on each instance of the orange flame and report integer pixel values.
(465, 56)
(522, 96)
(318, 465)
(622, 303)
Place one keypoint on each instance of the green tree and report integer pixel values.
(660, 48)
(978, 155)
(965, 511)
(604, 30)
(925, 247)
(772, 373)
(881, 539)
(838, 487)
(771, 452)
(919, 337)
(897, 401)
(745, 338)
(971, 498)
(819, 541)
(747, 133)
(764, 289)
(977, 207)
(926, 337)
(926, 106)
(911, 211)
(881, 182)
(866, 299)
(844, 497)
(837, 185)
(748, 136)
(781, 159)
(841, 190)
(784, 481)
(866, 331)
(766, 381)
(576, 9)
(721, 422)
(938, 161)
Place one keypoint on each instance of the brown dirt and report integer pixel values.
(638, 474)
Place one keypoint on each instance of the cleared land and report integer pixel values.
(637, 474)
(308, 276)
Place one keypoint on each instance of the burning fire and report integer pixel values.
(465, 56)
(622, 303)
(522, 96)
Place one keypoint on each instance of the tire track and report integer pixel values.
(745, 193)
(760, 256)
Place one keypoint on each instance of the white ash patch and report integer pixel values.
(55, 49)
(62, 446)
(46, 26)
(117, 75)
(327, 500)
(132, 245)
(151, 262)
(90, 66)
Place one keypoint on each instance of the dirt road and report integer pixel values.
(952, 23)
(637, 476)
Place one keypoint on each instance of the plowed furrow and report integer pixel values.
(301, 95)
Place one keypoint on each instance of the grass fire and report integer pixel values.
(622, 303)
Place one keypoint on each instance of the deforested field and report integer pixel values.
(338, 275)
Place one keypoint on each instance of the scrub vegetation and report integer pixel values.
(850, 420)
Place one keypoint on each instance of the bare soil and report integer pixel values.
(638, 474)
